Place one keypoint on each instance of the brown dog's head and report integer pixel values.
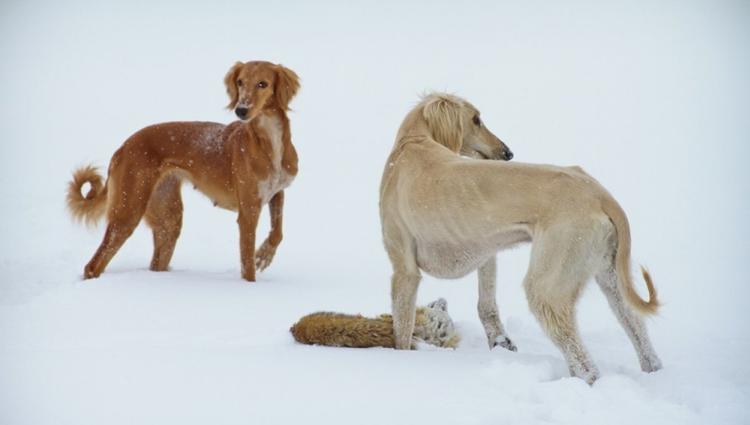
(254, 86)
(455, 123)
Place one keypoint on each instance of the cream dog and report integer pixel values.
(447, 216)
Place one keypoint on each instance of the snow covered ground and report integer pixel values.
(649, 97)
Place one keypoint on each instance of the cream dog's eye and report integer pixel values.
(239, 83)
(262, 85)
(476, 120)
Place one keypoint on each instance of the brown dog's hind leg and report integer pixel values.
(164, 215)
(118, 231)
(126, 207)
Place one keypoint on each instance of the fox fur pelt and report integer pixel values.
(433, 326)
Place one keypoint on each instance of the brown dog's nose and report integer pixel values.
(508, 155)
(241, 112)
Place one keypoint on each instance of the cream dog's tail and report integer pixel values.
(89, 208)
(622, 262)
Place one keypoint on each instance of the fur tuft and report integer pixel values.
(653, 303)
(89, 208)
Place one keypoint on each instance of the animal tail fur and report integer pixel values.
(344, 330)
(622, 263)
(89, 208)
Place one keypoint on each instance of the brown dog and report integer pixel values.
(241, 167)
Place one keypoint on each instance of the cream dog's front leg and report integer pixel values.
(487, 307)
(403, 307)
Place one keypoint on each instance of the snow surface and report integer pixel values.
(649, 97)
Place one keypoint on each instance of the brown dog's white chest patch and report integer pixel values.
(279, 178)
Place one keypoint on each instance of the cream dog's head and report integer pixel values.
(456, 124)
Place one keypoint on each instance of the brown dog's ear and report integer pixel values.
(231, 82)
(287, 84)
(443, 116)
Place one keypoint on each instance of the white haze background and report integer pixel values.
(651, 98)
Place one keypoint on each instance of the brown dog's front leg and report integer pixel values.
(248, 221)
(265, 253)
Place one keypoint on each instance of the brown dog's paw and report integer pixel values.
(264, 256)
(248, 276)
(90, 273)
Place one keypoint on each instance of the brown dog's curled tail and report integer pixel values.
(89, 208)
(343, 330)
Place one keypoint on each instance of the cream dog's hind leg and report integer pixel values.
(487, 306)
(557, 272)
(632, 323)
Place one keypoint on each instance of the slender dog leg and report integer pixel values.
(404, 305)
(118, 231)
(164, 215)
(557, 271)
(558, 321)
(267, 250)
(127, 207)
(630, 321)
(248, 221)
(404, 283)
(487, 307)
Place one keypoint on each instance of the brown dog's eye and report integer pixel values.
(239, 83)
(262, 85)
(476, 120)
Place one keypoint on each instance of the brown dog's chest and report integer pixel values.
(277, 181)
(278, 177)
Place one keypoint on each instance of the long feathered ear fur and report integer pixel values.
(287, 84)
(230, 80)
(443, 115)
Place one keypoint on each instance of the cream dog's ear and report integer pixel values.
(287, 84)
(230, 80)
(444, 118)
